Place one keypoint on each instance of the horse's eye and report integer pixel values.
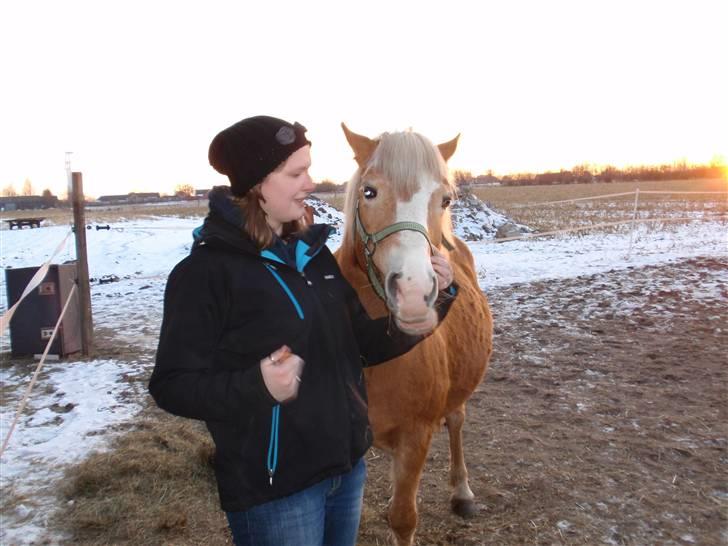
(369, 192)
(446, 201)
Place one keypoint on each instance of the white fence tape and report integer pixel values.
(24, 401)
(685, 192)
(586, 228)
(609, 195)
(34, 282)
(593, 197)
(634, 220)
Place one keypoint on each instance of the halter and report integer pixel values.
(371, 240)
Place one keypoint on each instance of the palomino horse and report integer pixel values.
(396, 215)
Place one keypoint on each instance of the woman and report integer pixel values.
(264, 340)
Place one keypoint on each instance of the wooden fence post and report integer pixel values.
(84, 287)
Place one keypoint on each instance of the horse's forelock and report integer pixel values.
(407, 159)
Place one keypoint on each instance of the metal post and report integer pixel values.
(84, 288)
(634, 220)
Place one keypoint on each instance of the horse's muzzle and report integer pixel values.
(411, 306)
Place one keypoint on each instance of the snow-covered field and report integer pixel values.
(76, 403)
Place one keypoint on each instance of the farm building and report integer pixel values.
(20, 202)
(150, 197)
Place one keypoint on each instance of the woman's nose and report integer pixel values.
(308, 184)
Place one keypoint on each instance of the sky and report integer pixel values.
(136, 90)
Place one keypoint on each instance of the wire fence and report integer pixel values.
(633, 220)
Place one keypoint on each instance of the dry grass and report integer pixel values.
(523, 203)
(112, 213)
(336, 200)
(154, 486)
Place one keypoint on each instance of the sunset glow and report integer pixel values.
(136, 91)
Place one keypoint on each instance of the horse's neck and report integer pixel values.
(346, 254)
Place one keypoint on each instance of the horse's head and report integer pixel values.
(397, 213)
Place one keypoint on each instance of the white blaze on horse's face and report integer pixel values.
(403, 259)
(416, 285)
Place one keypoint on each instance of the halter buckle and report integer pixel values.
(370, 246)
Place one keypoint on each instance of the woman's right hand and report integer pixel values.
(282, 374)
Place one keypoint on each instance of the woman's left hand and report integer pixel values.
(442, 269)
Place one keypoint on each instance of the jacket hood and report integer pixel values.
(223, 227)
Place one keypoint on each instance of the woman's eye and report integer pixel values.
(369, 192)
(446, 201)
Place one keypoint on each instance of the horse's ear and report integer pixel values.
(448, 148)
(363, 147)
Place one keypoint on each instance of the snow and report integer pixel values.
(475, 221)
(71, 404)
(76, 405)
(539, 259)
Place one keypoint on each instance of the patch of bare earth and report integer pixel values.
(602, 419)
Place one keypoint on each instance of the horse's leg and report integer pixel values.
(461, 501)
(408, 463)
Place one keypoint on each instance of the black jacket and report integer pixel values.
(226, 307)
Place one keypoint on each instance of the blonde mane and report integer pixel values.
(405, 159)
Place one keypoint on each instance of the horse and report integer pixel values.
(396, 215)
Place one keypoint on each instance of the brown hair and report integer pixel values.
(256, 226)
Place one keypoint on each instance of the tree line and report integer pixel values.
(27, 190)
(586, 173)
(579, 174)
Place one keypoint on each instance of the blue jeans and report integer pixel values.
(325, 514)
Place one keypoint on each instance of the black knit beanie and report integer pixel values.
(251, 149)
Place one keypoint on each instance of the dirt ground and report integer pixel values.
(602, 419)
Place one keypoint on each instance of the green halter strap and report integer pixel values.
(371, 240)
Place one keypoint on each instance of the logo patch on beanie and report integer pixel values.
(285, 135)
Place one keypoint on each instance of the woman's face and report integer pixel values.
(285, 189)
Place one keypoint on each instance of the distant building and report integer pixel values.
(201, 194)
(113, 199)
(144, 197)
(151, 197)
(28, 202)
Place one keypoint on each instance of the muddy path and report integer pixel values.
(602, 419)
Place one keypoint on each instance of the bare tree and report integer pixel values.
(9, 191)
(326, 186)
(27, 187)
(184, 190)
(462, 177)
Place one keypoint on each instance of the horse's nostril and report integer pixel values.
(432, 296)
(391, 284)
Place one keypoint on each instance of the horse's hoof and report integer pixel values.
(465, 508)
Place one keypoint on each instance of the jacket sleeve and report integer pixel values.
(380, 339)
(184, 381)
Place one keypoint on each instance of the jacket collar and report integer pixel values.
(223, 228)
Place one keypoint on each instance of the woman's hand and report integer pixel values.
(282, 374)
(442, 269)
